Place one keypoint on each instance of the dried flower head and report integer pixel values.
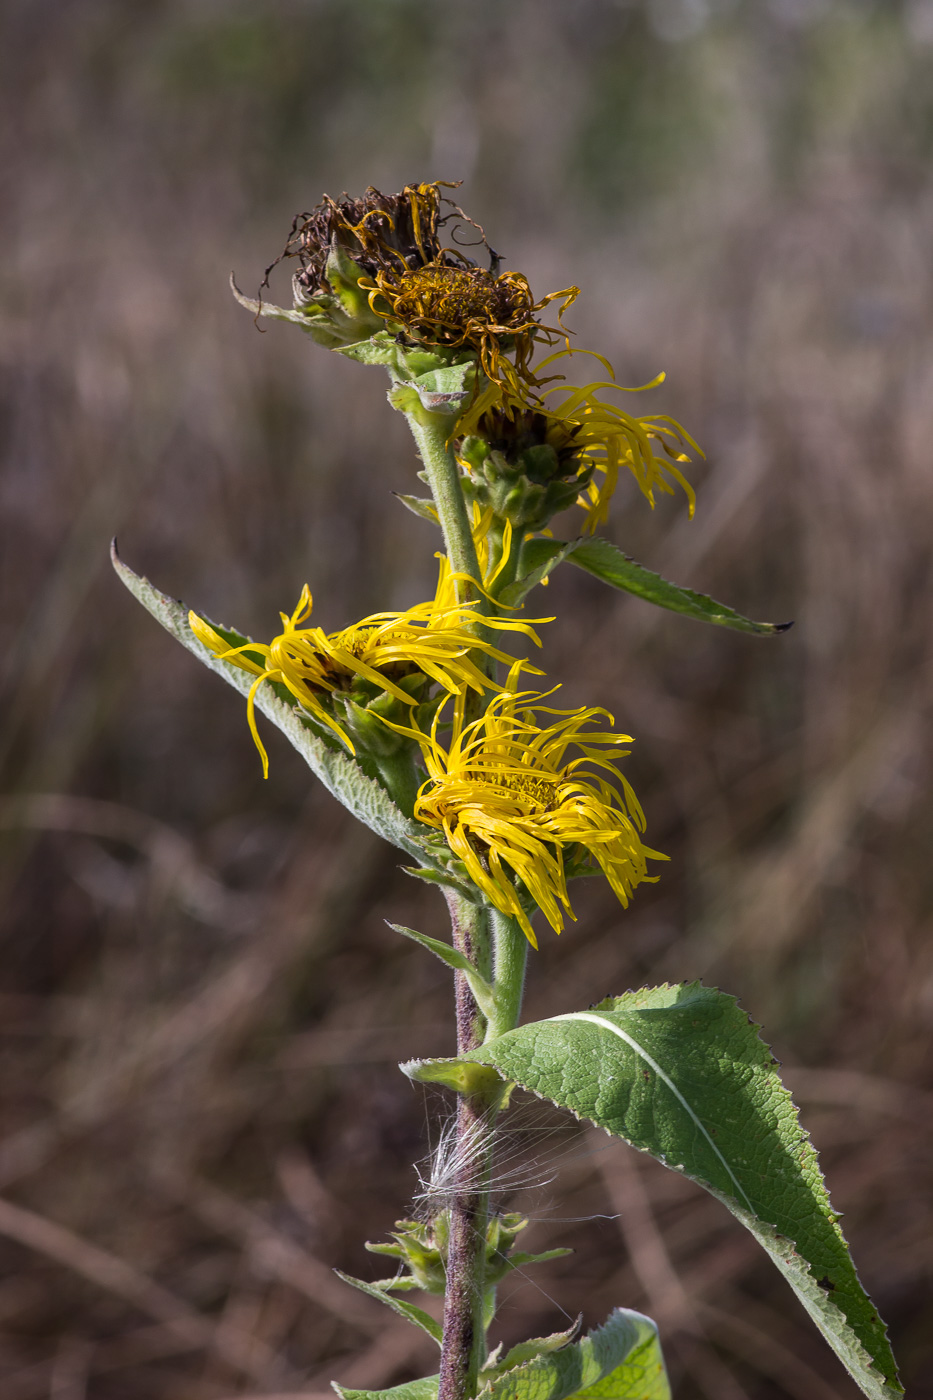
(389, 248)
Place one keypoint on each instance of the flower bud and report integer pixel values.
(527, 467)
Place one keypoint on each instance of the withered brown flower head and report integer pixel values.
(421, 288)
(381, 233)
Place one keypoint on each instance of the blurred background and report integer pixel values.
(202, 1007)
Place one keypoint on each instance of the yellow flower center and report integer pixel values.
(536, 793)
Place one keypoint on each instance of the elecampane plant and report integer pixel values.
(428, 728)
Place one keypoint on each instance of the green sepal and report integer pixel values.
(323, 318)
(681, 1072)
(433, 381)
(421, 1245)
(607, 563)
(443, 392)
(483, 991)
(416, 1316)
(367, 730)
(526, 485)
(343, 275)
(460, 1075)
(621, 1360)
(419, 505)
(328, 760)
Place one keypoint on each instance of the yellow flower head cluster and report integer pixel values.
(512, 807)
(432, 640)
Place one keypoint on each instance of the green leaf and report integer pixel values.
(483, 992)
(682, 1073)
(619, 1361)
(528, 1351)
(418, 505)
(446, 879)
(425, 1389)
(463, 1076)
(536, 563)
(417, 1316)
(523, 1259)
(606, 562)
(451, 956)
(339, 773)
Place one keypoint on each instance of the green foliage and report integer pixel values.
(619, 1361)
(417, 1316)
(529, 1350)
(682, 1073)
(483, 991)
(606, 562)
(425, 1389)
(418, 505)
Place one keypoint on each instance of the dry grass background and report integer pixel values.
(202, 1006)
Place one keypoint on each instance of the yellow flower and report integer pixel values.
(396, 652)
(608, 438)
(587, 441)
(511, 807)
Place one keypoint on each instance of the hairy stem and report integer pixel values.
(464, 1343)
(430, 431)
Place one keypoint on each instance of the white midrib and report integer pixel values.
(665, 1079)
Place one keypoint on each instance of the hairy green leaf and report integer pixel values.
(418, 505)
(619, 1361)
(337, 770)
(682, 1073)
(483, 991)
(417, 1316)
(425, 1389)
(527, 1351)
(606, 562)
(447, 880)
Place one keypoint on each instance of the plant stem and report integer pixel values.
(430, 431)
(510, 953)
(464, 1343)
